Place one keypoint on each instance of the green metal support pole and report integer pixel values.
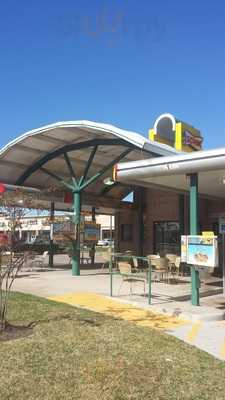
(93, 217)
(51, 243)
(77, 212)
(194, 230)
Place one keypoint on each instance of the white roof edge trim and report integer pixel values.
(206, 160)
(173, 158)
(129, 136)
(166, 115)
(165, 149)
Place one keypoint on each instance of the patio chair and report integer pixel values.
(152, 258)
(125, 270)
(135, 264)
(171, 258)
(177, 265)
(5, 259)
(106, 256)
(159, 269)
(32, 261)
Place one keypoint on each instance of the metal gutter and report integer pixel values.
(208, 160)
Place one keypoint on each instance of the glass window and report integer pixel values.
(166, 237)
(127, 232)
(106, 234)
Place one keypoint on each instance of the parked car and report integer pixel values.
(105, 242)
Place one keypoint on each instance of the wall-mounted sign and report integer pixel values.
(193, 141)
(172, 131)
(200, 250)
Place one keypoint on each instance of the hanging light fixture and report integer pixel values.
(108, 181)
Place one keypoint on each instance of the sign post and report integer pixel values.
(199, 251)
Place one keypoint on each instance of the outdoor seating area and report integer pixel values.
(157, 280)
(138, 275)
(130, 276)
(28, 260)
(165, 268)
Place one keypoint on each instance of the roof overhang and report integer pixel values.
(171, 172)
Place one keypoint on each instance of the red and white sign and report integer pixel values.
(2, 188)
(194, 141)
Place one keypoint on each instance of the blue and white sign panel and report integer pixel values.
(202, 251)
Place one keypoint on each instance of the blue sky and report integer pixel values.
(121, 62)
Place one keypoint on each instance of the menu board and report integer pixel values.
(202, 251)
(63, 231)
(90, 231)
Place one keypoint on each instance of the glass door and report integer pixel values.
(166, 237)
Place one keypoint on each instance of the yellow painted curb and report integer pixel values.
(222, 352)
(193, 333)
(121, 310)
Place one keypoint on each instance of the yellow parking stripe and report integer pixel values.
(124, 311)
(193, 333)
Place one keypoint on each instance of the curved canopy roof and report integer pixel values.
(38, 157)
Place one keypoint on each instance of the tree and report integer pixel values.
(13, 207)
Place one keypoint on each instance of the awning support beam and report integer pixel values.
(66, 149)
(58, 178)
(107, 167)
(70, 168)
(88, 165)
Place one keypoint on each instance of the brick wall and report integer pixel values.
(161, 205)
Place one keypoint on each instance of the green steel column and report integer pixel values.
(76, 256)
(51, 243)
(92, 253)
(194, 230)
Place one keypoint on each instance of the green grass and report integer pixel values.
(77, 354)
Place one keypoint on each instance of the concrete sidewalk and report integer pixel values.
(169, 299)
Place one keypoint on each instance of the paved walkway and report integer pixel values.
(91, 290)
